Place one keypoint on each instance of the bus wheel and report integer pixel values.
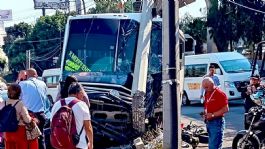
(185, 100)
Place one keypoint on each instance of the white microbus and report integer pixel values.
(51, 78)
(232, 69)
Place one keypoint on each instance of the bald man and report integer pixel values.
(33, 95)
(215, 106)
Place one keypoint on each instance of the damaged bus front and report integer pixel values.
(100, 50)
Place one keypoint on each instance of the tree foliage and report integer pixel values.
(110, 6)
(43, 39)
(232, 22)
(196, 27)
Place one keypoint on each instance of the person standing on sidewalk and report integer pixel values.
(22, 75)
(18, 139)
(212, 75)
(33, 96)
(63, 91)
(215, 106)
(81, 114)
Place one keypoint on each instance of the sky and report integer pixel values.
(23, 10)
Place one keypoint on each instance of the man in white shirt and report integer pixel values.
(214, 77)
(81, 113)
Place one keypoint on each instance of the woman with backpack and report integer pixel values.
(15, 137)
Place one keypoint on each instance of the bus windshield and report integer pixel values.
(101, 45)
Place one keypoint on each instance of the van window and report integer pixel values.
(51, 81)
(197, 70)
(217, 68)
(236, 66)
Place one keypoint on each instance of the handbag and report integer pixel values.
(32, 131)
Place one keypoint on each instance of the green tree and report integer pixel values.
(16, 45)
(44, 40)
(196, 27)
(231, 22)
(110, 6)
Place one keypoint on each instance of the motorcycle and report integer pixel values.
(193, 135)
(253, 137)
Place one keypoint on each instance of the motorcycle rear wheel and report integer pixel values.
(251, 143)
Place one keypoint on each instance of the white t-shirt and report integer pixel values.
(81, 113)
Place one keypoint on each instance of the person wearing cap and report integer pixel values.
(251, 88)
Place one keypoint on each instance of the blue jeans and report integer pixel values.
(215, 130)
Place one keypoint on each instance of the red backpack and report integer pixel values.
(63, 127)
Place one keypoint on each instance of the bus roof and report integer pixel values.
(134, 16)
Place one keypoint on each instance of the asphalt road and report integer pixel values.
(234, 120)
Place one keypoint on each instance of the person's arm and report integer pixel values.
(218, 84)
(202, 89)
(85, 98)
(202, 92)
(218, 113)
(24, 114)
(89, 132)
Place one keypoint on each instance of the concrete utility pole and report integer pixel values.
(84, 6)
(27, 59)
(43, 12)
(141, 66)
(78, 6)
(171, 106)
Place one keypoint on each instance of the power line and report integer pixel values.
(37, 65)
(253, 9)
(55, 50)
(47, 58)
(32, 41)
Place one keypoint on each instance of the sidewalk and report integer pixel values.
(228, 132)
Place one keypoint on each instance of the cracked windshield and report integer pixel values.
(114, 40)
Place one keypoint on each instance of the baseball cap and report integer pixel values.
(255, 76)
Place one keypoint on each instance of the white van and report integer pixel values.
(51, 78)
(232, 69)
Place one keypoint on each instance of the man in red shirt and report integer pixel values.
(215, 106)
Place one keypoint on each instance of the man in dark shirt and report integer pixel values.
(252, 88)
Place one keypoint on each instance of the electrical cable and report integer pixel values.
(253, 9)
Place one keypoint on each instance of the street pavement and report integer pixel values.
(234, 120)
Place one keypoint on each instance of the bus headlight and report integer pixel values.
(229, 84)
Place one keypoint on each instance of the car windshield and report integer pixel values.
(236, 66)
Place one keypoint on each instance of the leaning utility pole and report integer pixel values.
(43, 11)
(78, 6)
(27, 59)
(84, 6)
(141, 66)
(170, 52)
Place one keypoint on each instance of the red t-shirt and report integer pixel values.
(217, 101)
